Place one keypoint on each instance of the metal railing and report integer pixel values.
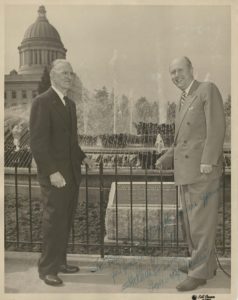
(23, 212)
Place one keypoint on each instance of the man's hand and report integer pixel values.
(57, 180)
(158, 164)
(89, 162)
(205, 169)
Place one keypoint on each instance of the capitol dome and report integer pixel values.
(41, 45)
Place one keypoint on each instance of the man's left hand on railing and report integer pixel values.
(164, 163)
(89, 162)
(158, 164)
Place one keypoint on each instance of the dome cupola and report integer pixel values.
(41, 45)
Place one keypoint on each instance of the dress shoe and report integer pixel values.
(51, 279)
(185, 269)
(190, 284)
(67, 269)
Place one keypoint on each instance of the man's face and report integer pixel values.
(62, 76)
(181, 73)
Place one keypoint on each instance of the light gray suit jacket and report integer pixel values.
(199, 135)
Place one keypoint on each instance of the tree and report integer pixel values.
(143, 110)
(171, 110)
(155, 112)
(101, 112)
(123, 115)
(227, 106)
(75, 94)
(45, 83)
(227, 110)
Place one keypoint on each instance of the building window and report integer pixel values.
(23, 93)
(34, 94)
(5, 95)
(14, 94)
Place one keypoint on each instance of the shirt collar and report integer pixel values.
(59, 93)
(189, 87)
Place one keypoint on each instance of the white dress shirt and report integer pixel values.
(188, 88)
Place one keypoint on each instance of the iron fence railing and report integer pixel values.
(89, 233)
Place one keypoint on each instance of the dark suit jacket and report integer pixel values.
(199, 135)
(53, 138)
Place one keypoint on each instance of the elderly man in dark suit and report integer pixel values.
(54, 145)
(197, 154)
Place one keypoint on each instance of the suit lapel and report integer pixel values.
(177, 118)
(58, 106)
(180, 114)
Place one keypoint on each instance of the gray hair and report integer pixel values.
(188, 61)
(57, 62)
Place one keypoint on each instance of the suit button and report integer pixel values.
(188, 123)
(186, 156)
(185, 142)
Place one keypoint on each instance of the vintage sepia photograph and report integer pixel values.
(117, 150)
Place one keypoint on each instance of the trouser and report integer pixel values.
(59, 205)
(200, 203)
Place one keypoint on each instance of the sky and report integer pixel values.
(129, 48)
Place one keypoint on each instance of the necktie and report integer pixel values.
(65, 100)
(183, 98)
(67, 106)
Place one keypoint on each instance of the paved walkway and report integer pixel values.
(111, 275)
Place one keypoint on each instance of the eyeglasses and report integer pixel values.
(65, 73)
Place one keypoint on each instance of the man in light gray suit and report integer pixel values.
(197, 154)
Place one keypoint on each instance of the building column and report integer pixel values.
(28, 57)
(24, 58)
(35, 57)
(31, 57)
(20, 58)
(52, 55)
(43, 56)
(39, 56)
(48, 57)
